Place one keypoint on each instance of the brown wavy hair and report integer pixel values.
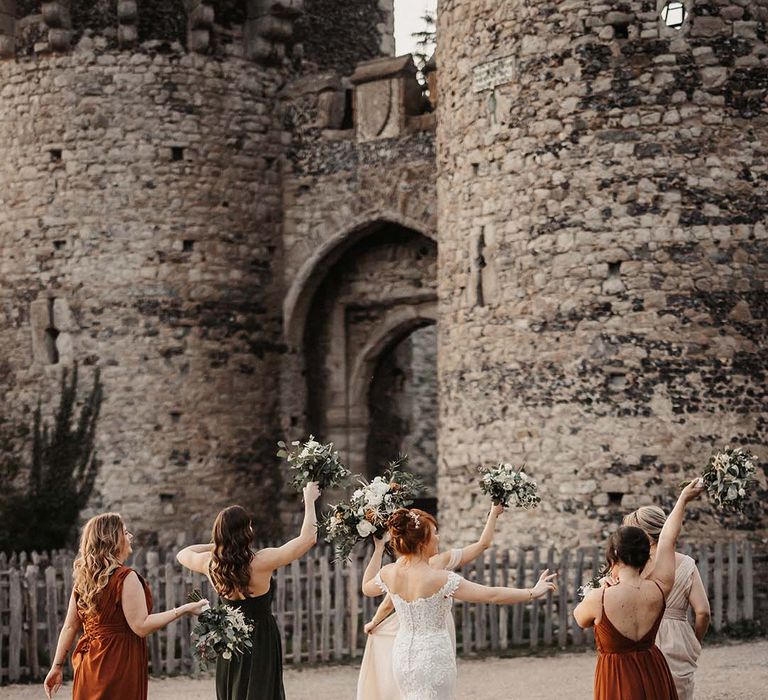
(410, 530)
(97, 558)
(232, 555)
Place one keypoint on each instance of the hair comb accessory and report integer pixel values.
(416, 519)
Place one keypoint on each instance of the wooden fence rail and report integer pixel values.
(320, 610)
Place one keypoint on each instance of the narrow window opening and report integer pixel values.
(188, 246)
(480, 262)
(614, 498)
(56, 155)
(175, 416)
(673, 14)
(58, 245)
(167, 497)
(348, 122)
(621, 31)
(614, 269)
(51, 335)
(177, 153)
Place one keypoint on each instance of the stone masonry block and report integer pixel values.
(57, 14)
(127, 11)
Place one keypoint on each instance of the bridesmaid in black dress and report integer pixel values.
(243, 579)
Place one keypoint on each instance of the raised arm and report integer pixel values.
(370, 588)
(275, 557)
(135, 609)
(700, 604)
(501, 595)
(196, 557)
(67, 636)
(664, 562)
(474, 550)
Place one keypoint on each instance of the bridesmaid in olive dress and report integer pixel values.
(243, 579)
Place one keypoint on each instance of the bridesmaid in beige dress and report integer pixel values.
(376, 680)
(678, 641)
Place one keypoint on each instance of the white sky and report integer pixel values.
(408, 15)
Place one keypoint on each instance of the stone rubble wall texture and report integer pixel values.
(142, 188)
(338, 34)
(603, 256)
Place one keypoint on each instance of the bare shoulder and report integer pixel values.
(594, 598)
(131, 585)
(386, 572)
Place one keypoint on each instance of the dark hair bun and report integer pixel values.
(630, 546)
(410, 530)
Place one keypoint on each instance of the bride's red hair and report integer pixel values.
(410, 530)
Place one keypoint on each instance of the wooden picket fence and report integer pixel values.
(321, 611)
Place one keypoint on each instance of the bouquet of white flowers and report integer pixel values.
(366, 513)
(220, 631)
(593, 583)
(727, 478)
(313, 461)
(505, 483)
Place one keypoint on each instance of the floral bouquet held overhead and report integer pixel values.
(366, 513)
(313, 461)
(728, 477)
(220, 631)
(507, 484)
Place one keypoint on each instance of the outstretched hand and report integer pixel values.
(497, 509)
(197, 607)
(545, 584)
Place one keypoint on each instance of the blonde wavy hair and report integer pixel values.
(650, 519)
(100, 545)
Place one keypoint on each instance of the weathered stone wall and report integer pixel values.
(142, 192)
(163, 20)
(338, 34)
(603, 260)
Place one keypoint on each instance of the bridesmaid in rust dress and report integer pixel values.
(111, 605)
(628, 609)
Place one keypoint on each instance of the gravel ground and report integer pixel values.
(727, 672)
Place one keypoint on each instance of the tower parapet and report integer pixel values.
(260, 30)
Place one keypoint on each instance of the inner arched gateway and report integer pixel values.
(370, 353)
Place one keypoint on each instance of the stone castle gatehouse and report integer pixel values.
(250, 217)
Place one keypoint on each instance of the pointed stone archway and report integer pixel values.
(360, 307)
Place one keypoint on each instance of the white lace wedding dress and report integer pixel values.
(423, 657)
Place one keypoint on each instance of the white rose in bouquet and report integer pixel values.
(364, 529)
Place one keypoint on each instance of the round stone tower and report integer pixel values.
(603, 197)
(140, 233)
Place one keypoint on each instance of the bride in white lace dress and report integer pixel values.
(423, 660)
